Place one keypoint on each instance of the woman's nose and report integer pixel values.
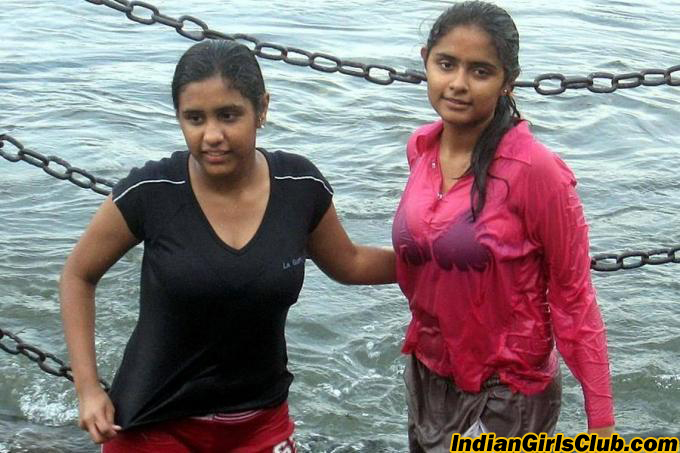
(458, 80)
(213, 132)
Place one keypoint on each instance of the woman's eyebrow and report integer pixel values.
(484, 63)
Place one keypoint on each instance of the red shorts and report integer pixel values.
(260, 431)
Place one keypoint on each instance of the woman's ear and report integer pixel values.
(264, 107)
(423, 54)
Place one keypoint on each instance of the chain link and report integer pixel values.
(57, 368)
(596, 82)
(605, 82)
(77, 176)
(608, 262)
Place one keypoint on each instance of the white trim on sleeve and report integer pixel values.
(328, 189)
(146, 182)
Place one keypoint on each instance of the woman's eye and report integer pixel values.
(481, 72)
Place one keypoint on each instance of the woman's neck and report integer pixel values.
(247, 176)
(457, 142)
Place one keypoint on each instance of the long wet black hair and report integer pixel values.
(501, 28)
(234, 62)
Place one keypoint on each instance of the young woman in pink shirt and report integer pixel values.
(493, 252)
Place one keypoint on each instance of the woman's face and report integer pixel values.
(465, 77)
(219, 126)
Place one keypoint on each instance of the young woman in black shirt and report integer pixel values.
(226, 228)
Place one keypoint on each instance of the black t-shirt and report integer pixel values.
(210, 335)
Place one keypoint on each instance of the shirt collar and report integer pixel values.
(515, 144)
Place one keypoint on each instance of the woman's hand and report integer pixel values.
(96, 414)
(607, 431)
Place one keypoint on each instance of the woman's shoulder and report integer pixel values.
(166, 166)
(287, 166)
(169, 170)
(291, 163)
(541, 162)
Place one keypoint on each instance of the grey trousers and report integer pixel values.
(437, 409)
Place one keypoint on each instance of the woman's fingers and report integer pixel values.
(110, 412)
(95, 435)
(106, 429)
(101, 430)
(97, 416)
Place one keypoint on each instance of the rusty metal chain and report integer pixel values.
(59, 369)
(596, 82)
(608, 262)
(74, 175)
(376, 73)
(77, 176)
(604, 82)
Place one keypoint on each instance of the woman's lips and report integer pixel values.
(456, 103)
(215, 157)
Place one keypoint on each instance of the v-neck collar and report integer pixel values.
(206, 222)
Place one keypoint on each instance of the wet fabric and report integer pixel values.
(437, 409)
(266, 431)
(211, 331)
(494, 295)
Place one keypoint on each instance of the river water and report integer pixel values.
(82, 82)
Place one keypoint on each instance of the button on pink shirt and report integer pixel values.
(494, 296)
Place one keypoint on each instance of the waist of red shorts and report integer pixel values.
(256, 430)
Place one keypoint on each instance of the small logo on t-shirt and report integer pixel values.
(293, 262)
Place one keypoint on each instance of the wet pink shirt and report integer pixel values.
(494, 296)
